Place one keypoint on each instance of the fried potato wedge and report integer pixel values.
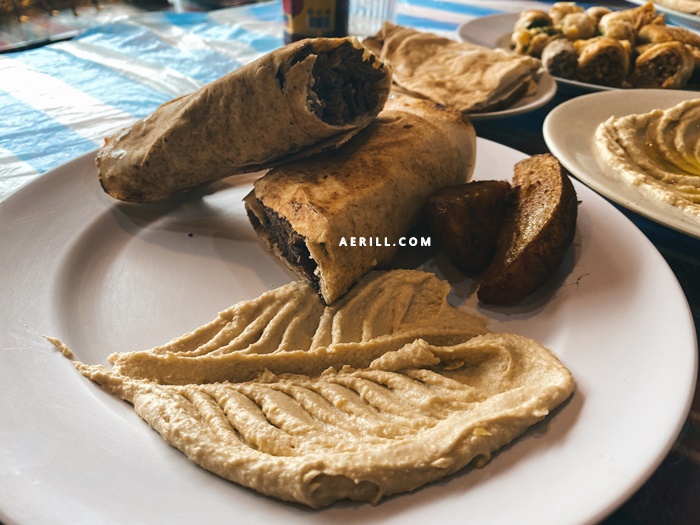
(536, 233)
(465, 221)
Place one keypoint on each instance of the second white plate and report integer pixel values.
(568, 133)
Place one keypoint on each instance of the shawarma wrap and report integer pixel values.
(297, 100)
(334, 217)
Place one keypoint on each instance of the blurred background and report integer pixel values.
(25, 24)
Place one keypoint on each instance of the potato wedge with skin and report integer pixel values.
(536, 233)
(465, 221)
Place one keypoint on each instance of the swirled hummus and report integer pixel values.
(658, 152)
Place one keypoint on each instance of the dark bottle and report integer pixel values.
(314, 18)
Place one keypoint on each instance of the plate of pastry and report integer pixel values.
(591, 48)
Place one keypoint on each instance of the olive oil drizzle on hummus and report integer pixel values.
(659, 152)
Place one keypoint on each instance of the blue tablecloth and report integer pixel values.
(60, 101)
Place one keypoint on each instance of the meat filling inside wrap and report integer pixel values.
(311, 213)
(342, 85)
(291, 245)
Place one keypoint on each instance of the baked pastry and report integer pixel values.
(667, 65)
(603, 61)
(560, 58)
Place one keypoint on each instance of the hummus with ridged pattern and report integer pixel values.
(402, 412)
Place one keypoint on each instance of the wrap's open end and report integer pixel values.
(334, 217)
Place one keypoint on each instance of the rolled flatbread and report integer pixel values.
(334, 217)
(460, 75)
(302, 98)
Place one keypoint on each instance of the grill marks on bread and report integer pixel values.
(414, 415)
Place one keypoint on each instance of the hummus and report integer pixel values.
(658, 152)
(402, 413)
(290, 330)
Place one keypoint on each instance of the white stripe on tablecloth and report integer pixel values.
(182, 39)
(445, 15)
(165, 80)
(15, 173)
(82, 113)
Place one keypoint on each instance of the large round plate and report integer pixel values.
(674, 16)
(569, 129)
(104, 276)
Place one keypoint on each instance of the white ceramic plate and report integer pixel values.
(105, 276)
(568, 131)
(494, 31)
(677, 17)
(546, 89)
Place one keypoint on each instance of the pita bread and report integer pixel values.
(308, 96)
(685, 6)
(460, 75)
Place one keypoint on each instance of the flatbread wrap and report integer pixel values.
(299, 99)
(334, 217)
